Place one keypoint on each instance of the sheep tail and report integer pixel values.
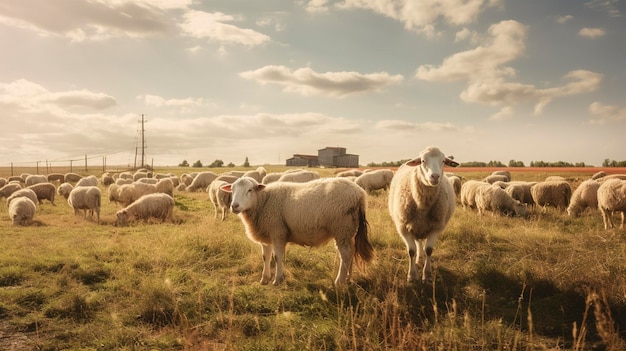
(364, 251)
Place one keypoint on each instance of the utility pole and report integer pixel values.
(143, 142)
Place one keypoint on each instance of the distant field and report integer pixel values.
(546, 282)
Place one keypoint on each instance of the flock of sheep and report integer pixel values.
(299, 206)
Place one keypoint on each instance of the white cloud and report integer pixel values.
(563, 19)
(610, 7)
(317, 6)
(592, 32)
(199, 24)
(186, 105)
(505, 113)
(606, 113)
(306, 81)
(406, 126)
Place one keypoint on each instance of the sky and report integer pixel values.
(536, 80)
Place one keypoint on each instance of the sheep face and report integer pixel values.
(121, 218)
(430, 163)
(243, 192)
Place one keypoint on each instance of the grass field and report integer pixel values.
(548, 282)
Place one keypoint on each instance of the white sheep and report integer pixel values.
(421, 202)
(157, 205)
(308, 214)
(585, 195)
(468, 192)
(258, 174)
(375, 180)
(300, 176)
(202, 181)
(3, 182)
(496, 200)
(107, 179)
(22, 210)
(555, 193)
(65, 189)
(122, 181)
(86, 198)
(90, 180)
(186, 179)
(271, 177)
(349, 173)
(35, 179)
(125, 175)
(29, 193)
(520, 191)
(219, 198)
(612, 198)
(496, 178)
(9, 189)
(503, 173)
(455, 180)
(72, 177)
(44, 191)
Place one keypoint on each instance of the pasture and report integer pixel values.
(500, 283)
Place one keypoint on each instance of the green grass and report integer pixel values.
(546, 282)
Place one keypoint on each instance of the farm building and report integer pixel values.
(327, 157)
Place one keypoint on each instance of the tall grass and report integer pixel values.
(547, 282)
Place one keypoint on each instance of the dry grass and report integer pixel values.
(547, 282)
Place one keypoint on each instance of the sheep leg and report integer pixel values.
(414, 256)
(346, 252)
(267, 259)
(279, 253)
(428, 249)
(622, 225)
(607, 218)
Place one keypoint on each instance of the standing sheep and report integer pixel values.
(56, 177)
(258, 174)
(44, 191)
(65, 189)
(496, 178)
(468, 192)
(555, 193)
(72, 177)
(9, 189)
(585, 195)
(86, 198)
(157, 205)
(202, 181)
(495, 199)
(22, 210)
(375, 180)
(421, 202)
(301, 176)
(612, 198)
(35, 179)
(308, 214)
(221, 199)
(90, 180)
(455, 180)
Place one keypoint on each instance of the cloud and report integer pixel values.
(610, 7)
(487, 74)
(563, 19)
(90, 20)
(199, 24)
(592, 32)
(306, 81)
(317, 6)
(423, 15)
(606, 113)
(406, 126)
(185, 105)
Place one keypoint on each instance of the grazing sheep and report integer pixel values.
(65, 189)
(555, 193)
(612, 198)
(126, 175)
(44, 191)
(301, 176)
(56, 177)
(468, 192)
(24, 176)
(308, 214)
(9, 189)
(147, 180)
(86, 198)
(107, 179)
(495, 199)
(598, 175)
(35, 179)
(227, 178)
(496, 178)
(90, 180)
(221, 199)
(157, 205)
(72, 177)
(15, 179)
(555, 179)
(585, 195)
(271, 177)
(421, 202)
(258, 174)
(375, 180)
(456, 183)
(22, 210)
(3, 182)
(140, 174)
(202, 181)
(186, 179)
(349, 173)
(181, 187)
(114, 193)
(520, 191)
(503, 173)
(29, 193)
(613, 176)
(122, 181)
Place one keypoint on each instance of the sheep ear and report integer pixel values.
(449, 162)
(414, 162)
(260, 187)
(227, 188)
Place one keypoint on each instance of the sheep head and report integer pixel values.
(430, 163)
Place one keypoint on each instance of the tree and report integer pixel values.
(513, 163)
(246, 163)
(197, 164)
(217, 163)
(183, 164)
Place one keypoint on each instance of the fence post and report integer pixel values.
(85, 163)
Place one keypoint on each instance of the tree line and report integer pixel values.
(513, 163)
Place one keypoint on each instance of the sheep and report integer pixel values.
(24, 176)
(349, 173)
(64, 189)
(503, 173)
(375, 180)
(202, 181)
(496, 178)
(299, 176)
(15, 179)
(147, 180)
(456, 183)
(612, 198)
(157, 205)
(22, 210)
(598, 175)
(122, 181)
(35, 179)
(126, 175)
(44, 191)
(421, 202)
(90, 180)
(271, 177)
(29, 193)
(139, 174)
(56, 177)
(613, 176)
(9, 189)
(258, 174)
(72, 177)
(555, 193)
(221, 199)
(3, 182)
(520, 191)
(107, 179)
(585, 195)
(468, 192)
(86, 198)
(308, 214)
(498, 201)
